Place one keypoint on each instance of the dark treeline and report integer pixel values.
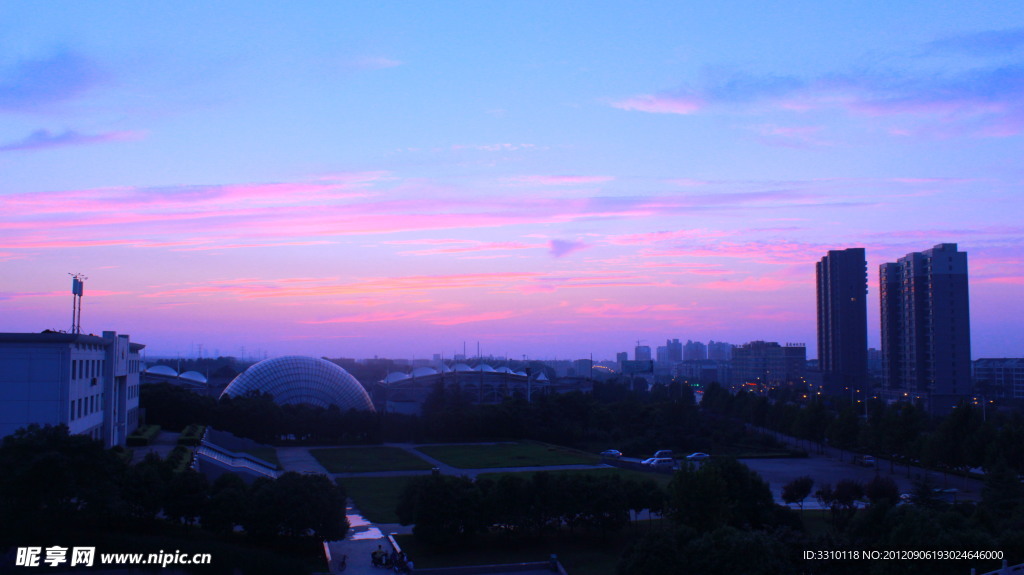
(902, 433)
(725, 522)
(613, 415)
(449, 511)
(67, 489)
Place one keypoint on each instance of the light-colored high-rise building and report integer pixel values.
(926, 328)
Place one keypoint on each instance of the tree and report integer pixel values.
(444, 509)
(658, 552)
(720, 492)
(53, 480)
(227, 505)
(797, 490)
(727, 550)
(882, 488)
(186, 496)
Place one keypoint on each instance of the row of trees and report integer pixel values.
(724, 522)
(56, 483)
(969, 437)
(637, 422)
(447, 510)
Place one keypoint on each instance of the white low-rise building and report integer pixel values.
(89, 383)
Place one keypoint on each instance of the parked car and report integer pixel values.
(697, 456)
(659, 463)
(612, 453)
(867, 461)
(663, 453)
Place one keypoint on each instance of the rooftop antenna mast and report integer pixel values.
(77, 288)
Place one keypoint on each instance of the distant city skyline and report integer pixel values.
(549, 179)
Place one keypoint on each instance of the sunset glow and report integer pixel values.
(547, 179)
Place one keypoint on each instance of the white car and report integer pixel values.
(612, 453)
(697, 456)
(659, 463)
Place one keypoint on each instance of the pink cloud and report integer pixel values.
(652, 238)
(561, 180)
(614, 310)
(464, 246)
(247, 288)
(791, 136)
(661, 104)
(374, 63)
(748, 285)
(472, 318)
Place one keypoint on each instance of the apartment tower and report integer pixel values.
(926, 328)
(842, 280)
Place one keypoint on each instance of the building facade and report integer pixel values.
(766, 364)
(999, 378)
(695, 351)
(926, 328)
(89, 383)
(842, 282)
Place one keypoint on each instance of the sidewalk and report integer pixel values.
(362, 539)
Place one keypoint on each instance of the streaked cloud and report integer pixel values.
(36, 83)
(662, 104)
(560, 180)
(44, 139)
(979, 101)
(561, 248)
(374, 63)
(983, 43)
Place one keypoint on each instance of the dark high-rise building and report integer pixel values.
(926, 328)
(719, 350)
(843, 321)
(694, 350)
(642, 353)
(675, 350)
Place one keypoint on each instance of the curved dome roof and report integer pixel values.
(193, 376)
(395, 376)
(162, 370)
(461, 367)
(484, 367)
(294, 379)
(423, 371)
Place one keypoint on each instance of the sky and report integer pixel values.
(542, 179)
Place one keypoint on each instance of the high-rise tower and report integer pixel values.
(926, 327)
(843, 321)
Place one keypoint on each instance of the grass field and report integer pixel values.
(376, 497)
(662, 479)
(364, 459)
(526, 454)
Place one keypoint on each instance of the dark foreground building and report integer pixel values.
(842, 280)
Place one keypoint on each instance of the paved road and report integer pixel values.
(832, 465)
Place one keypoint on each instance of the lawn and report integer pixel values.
(376, 497)
(525, 454)
(365, 459)
(662, 479)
